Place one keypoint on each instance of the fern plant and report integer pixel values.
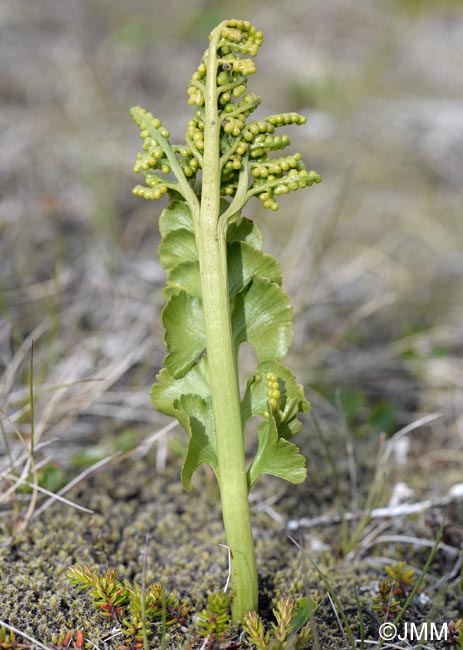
(222, 289)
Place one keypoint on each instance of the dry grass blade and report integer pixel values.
(30, 638)
(64, 410)
(57, 496)
(420, 422)
(453, 496)
(53, 497)
(29, 468)
(139, 450)
(8, 378)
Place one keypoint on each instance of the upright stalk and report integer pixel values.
(221, 354)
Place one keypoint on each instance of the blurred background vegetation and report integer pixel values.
(372, 258)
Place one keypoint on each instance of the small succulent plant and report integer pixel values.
(131, 608)
(394, 590)
(291, 628)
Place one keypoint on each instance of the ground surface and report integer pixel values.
(371, 258)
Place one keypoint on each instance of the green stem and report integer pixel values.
(211, 241)
(240, 195)
(184, 186)
(31, 399)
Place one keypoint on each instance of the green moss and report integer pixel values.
(183, 552)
